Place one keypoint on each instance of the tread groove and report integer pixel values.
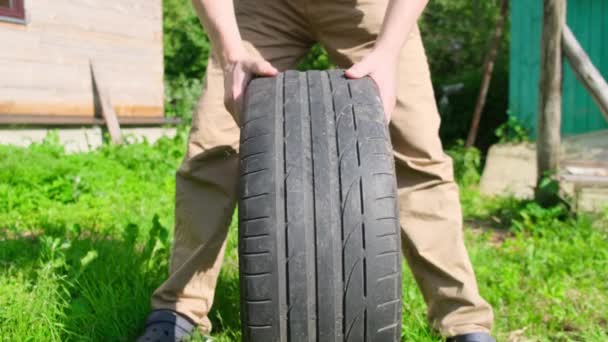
(254, 172)
(245, 198)
(326, 159)
(256, 253)
(251, 219)
(247, 139)
(252, 155)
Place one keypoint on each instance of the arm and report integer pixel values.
(239, 67)
(381, 64)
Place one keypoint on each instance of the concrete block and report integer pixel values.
(592, 199)
(510, 171)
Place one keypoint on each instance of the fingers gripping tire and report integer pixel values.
(319, 243)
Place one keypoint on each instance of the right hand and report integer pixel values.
(237, 74)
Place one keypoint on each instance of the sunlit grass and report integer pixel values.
(85, 239)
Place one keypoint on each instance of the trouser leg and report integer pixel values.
(206, 182)
(205, 195)
(429, 202)
(430, 212)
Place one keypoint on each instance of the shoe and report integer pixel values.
(472, 337)
(168, 326)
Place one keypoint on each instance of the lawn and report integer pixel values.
(85, 239)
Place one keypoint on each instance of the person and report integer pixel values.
(375, 38)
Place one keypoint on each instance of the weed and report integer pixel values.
(512, 131)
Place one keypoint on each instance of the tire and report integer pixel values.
(319, 239)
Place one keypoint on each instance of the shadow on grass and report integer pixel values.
(99, 285)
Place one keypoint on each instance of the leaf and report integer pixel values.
(88, 258)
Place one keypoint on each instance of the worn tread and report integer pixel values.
(318, 209)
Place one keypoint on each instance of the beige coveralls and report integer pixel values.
(282, 31)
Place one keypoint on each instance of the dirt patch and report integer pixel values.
(494, 227)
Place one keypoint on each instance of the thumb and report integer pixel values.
(359, 70)
(263, 68)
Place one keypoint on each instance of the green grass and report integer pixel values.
(85, 239)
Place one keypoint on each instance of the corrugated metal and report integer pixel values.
(588, 19)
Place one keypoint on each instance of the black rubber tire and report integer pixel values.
(319, 243)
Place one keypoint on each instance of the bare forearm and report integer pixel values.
(219, 21)
(381, 64)
(399, 21)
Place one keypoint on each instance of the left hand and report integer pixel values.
(382, 68)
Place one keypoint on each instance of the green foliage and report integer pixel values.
(457, 34)
(186, 51)
(186, 46)
(80, 259)
(316, 59)
(181, 97)
(512, 131)
(457, 114)
(467, 164)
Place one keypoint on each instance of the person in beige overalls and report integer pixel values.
(376, 38)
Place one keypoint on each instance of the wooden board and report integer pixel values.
(44, 65)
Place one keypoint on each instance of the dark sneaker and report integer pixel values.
(472, 337)
(167, 326)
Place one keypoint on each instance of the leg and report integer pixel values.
(430, 211)
(206, 181)
(205, 197)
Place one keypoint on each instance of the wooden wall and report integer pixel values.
(45, 64)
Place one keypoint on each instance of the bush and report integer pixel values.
(186, 50)
(457, 34)
(316, 59)
(186, 45)
(467, 164)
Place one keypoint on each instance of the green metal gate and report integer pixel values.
(588, 19)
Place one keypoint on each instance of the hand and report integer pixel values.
(382, 68)
(237, 74)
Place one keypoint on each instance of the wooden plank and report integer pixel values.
(81, 120)
(548, 141)
(49, 108)
(61, 14)
(68, 97)
(129, 83)
(105, 106)
(63, 79)
(65, 108)
(585, 71)
(57, 48)
(18, 74)
(140, 8)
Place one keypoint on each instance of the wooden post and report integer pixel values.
(550, 100)
(584, 70)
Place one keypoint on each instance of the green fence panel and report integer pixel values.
(588, 19)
